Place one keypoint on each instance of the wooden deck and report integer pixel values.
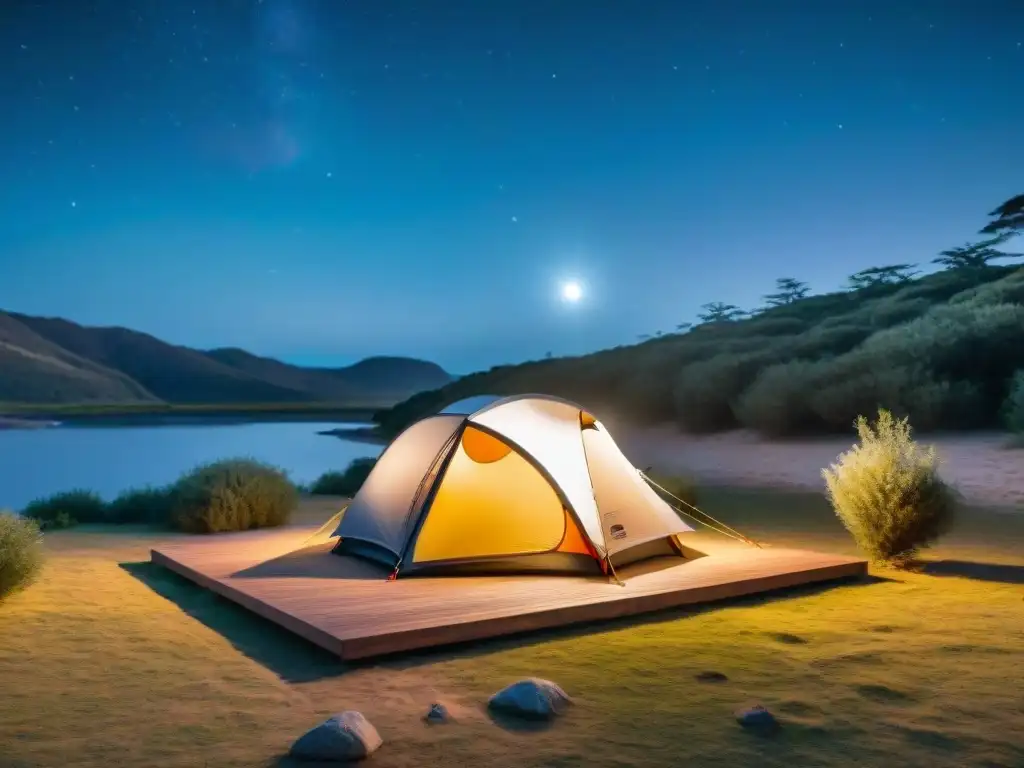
(347, 607)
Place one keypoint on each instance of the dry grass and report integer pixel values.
(105, 664)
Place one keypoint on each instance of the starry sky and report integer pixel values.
(321, 180)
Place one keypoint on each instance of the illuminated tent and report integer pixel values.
(493, 485)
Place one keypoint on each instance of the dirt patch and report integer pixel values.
(981, 466)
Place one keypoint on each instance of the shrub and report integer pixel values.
(891, 311)
(826, 341)
(778, 403)
(840, 393)
(346, 483)
(149, 505)
(777, 326)
(887, 491)
(21, 552)
(232, 495)
(62, 510)
(704, 392)
(1007, 290)
(1013, 408)
(947, 368)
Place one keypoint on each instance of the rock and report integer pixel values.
(532, 698)
(710, 677)
(756, 717)
(345, 736)
(438, 714)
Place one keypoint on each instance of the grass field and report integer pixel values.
(110, 662)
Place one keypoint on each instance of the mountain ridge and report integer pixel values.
(53, 361)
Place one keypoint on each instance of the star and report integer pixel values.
(74, 204)
(330, 175)
(515, 219)
(840, 126)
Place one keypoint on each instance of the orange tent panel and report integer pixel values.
(573, 540)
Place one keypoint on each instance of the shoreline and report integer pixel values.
(9, 423)
(356, 435)
(25, 418)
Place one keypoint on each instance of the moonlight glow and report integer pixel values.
(572, 292)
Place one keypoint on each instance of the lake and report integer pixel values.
(108, 460)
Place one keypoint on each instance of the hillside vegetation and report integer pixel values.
(54, 361)
(942, 349)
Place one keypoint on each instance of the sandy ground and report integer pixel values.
(982, 467)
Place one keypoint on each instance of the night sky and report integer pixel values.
(321, 180)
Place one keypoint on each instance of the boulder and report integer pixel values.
(710, 676)
(344, 737)
(438, 714)
(531, 698)
(756, 717)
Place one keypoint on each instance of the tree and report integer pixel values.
(718, 312)
(1007, 218)
(684, 327)
(788, 290)
(888, 275)
(976, 255)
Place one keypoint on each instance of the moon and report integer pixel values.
(572, 292)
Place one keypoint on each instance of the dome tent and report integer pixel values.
(513, 484)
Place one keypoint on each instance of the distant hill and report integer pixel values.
(942, 349)
(55, 361)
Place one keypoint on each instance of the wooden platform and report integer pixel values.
(347, 606)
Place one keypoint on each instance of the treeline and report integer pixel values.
(942, 348)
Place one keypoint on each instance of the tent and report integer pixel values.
(513, 484)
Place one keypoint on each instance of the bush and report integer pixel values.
(946, 369)
(21, 552)
(777, 326)
(888, 493)
(232, 495)
(1009, 289)
(1013, 408)
(778, 403)
(829, 340)
(890, 311)
(62, 510)
(149, 505)
(346, 483)
(704, 392)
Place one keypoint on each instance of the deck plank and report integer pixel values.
(350, 609)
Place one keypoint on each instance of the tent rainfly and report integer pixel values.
(498, 485)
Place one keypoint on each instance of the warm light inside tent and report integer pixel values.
(523, 511)
(482, 447)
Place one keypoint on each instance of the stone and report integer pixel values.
(438, 714)
(756, 717)
(710, 676)
(347, 736)
(531, 698)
